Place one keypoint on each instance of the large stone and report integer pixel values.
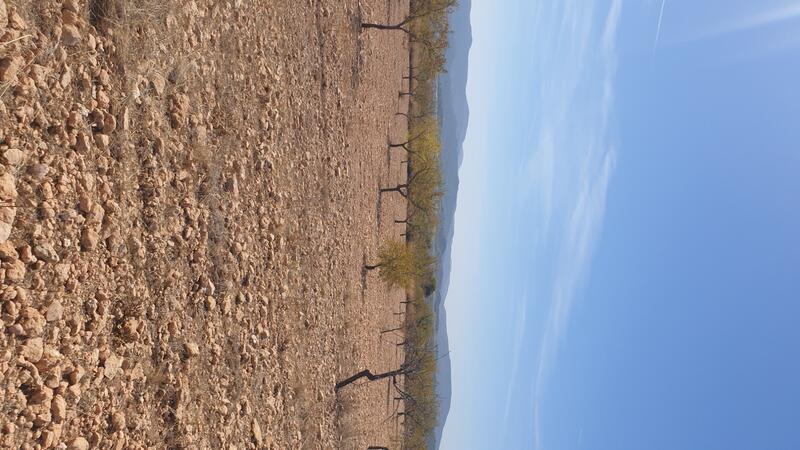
(42, 395)
(192, 349)
(118, 421)
(109, 123)
(55, 311)
(7, 215)
(8, 189)
(32, 350)
(9, 66)
(112, 366)
(13, 157)
(85, 203)
(257, 436)
(3, 15)
(58, 408)
(46, 252)
(76, 375)
(70, 35)
(89, 239)
(79, 443)
(15, 270)
(8, 210)
(50, 359)
(7, 251)
(33, 321)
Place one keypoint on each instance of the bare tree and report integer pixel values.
(412, 364)
(425, 9)
(370, 376)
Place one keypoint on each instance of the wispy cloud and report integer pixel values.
(658, 27)
(579, 231)
(583, 229)
(760, 19)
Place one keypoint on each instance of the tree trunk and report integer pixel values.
(399, 188)
(369, 376)
(372, 447)
(407, 116)
(368, 267)
(379, 26)
(401, 221)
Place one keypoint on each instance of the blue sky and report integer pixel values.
(626, 260)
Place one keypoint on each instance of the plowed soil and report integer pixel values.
(189, 193)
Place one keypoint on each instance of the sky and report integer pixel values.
(626, 258)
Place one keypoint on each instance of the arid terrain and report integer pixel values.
(189, 195)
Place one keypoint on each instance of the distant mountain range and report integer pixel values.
(453, 118)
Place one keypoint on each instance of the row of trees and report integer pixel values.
(407, 264)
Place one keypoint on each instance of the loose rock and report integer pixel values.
(46, 252)
(70, 35)
(55, 311)
(7, 251)
(8, 189)
(3, 15)
(58, 408)
(118, 421)
(89, 239)
(112, 366)
(32, 350)
(13, 157)
(9, 66)
(79, 443)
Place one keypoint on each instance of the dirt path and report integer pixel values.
(192, 193)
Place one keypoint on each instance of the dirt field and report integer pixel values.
(190, 189)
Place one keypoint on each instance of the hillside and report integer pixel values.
(454, 117)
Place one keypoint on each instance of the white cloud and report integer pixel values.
(586, 204)
(658, 27)
(583, 229)
(753, 21)
(563, 180)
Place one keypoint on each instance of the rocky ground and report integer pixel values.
(188, 193)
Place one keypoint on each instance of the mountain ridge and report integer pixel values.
(453, 114)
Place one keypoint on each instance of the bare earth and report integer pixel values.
(192, 193)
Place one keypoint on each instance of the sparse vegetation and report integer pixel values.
(410, 264)
(402, 265)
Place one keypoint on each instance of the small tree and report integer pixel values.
(400, 264)
(422, 134)
(422, 359)
(428, 9)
